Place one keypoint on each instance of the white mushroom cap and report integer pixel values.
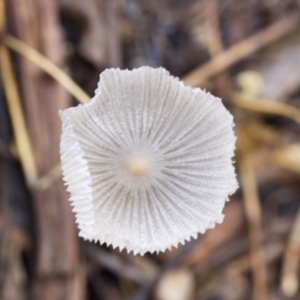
(147, 161)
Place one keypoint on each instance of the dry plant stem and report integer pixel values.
(175, 261)
(214, 40)
(57, 270)
(14, 105)
(2, 16)
(253, 215)
(243, 265)
(46, 181)
(47, 66)
(220, 235)
(266, 106)
(242, 50)
(18, 121)
(289, 276)
(112, 262)
(236, 252)
(50, 68)
(113, 37)
(12, 278)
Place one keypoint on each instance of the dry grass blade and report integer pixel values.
(289, 277)
(18, 121)
(266, 106)
(44, 182)
(242, 50)
(47, 66)
(253, 215)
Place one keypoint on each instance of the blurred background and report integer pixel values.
(246, 52)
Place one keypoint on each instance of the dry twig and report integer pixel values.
(48, 66)
(253, 214)
(115, 264)
(45, 182)
(266, 106)
(242, 50)
(214, 40)
(243, 265)
(217, 237)
(289, 276)
(2, 16)
(21, 135)
(113, 36)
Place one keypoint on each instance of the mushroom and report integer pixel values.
(147, 161)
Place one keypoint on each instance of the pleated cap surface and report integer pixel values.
(147, 161)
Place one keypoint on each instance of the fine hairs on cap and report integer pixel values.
(147, 161)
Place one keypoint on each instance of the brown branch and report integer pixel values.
(57, 270)
(221, 234)
(242, 50)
